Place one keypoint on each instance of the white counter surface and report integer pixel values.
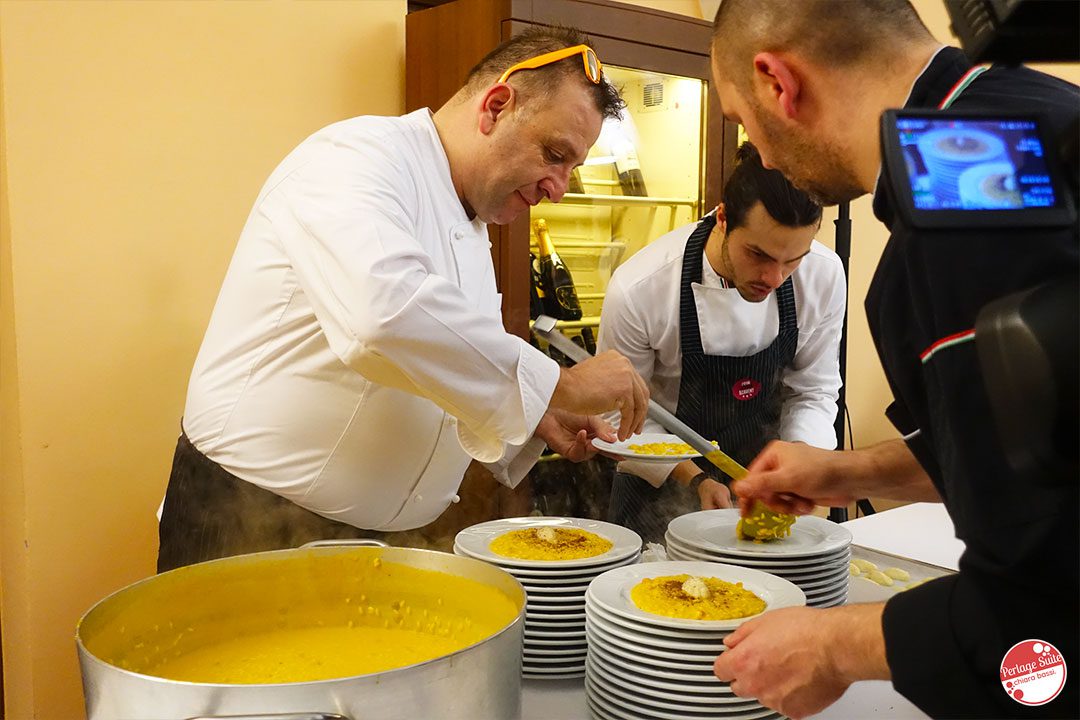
(918, 537)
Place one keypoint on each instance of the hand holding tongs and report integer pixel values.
(762, 523)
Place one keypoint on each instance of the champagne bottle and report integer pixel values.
(558, 293)
(628, 167)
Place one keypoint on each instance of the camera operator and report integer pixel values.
(809, 81)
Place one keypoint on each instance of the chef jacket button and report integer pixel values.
(455, 499)
(458, 234)
(419, 498)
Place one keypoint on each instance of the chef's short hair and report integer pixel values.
(543, 82)
(751, 182)
(834, 33)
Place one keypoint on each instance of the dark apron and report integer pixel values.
(210, 513)
(736, 401)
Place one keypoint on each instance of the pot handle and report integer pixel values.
(275, 716)
(345, 541)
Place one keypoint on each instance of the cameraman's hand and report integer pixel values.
(601, 384)
(793, 478)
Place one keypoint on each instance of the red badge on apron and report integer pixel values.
(746, 389)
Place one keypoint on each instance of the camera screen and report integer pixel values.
(975, 164)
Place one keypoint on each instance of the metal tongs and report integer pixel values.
(762, 523)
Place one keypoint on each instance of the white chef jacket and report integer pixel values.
(356, 359)
(640, 319)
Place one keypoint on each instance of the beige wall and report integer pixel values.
(133, 139)
(135, 136)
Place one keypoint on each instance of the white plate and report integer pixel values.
(576, 652)
(533, 605)
(652, 631)
(554, 625)
(828, 597)
(842, 600)
(635, 706)
(678, 659)
(622, 448)
(554, 676)
(595, 713)
(809, 587)
(532, 617)
(612, 590)
(547, 662)
(810, 563)
(575, 635)
(560, 575)
(553, 673)
(715, 646)
(698, 683)
(475, 541)
(572, 643)
(630, 684)
(714, 531)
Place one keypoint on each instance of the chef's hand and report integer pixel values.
(799, 660)
(793, 478)
(714, 495)
(571, 435)
(601, 384)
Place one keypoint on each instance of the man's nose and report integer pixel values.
(554, 186)
(773, 276)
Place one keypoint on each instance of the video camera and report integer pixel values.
(953, 171)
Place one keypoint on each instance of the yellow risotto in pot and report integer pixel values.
(695, 598)
(550, 543)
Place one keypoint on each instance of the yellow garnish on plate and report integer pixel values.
(695, 598)
(763, 524)
(661, 448)
(550, 543)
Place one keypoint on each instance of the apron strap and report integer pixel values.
(785, 302)
(689, 330)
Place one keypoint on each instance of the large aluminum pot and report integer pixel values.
(479, 681)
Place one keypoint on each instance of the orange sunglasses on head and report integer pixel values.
(588, 58)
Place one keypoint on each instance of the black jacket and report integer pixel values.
(1018, 577)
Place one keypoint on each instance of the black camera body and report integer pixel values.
(952, 173)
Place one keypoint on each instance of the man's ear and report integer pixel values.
(721, 217)
(495, 103)
(779, 81)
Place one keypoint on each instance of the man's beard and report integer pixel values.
(725, 258)
(834, 183)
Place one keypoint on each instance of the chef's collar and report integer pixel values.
(426, 119)
(946, 67)
(939, 76)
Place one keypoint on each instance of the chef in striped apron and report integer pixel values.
(735, 323)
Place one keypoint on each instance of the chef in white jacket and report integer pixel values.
(735, 323)
(356, 360)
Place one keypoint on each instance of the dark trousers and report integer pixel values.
(210, 513)
(647, 510)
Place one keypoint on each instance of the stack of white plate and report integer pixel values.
(555, 589)
(642, 665)
(815, 556)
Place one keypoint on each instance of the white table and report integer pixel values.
(918, 537)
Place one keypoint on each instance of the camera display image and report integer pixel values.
(956, 164)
